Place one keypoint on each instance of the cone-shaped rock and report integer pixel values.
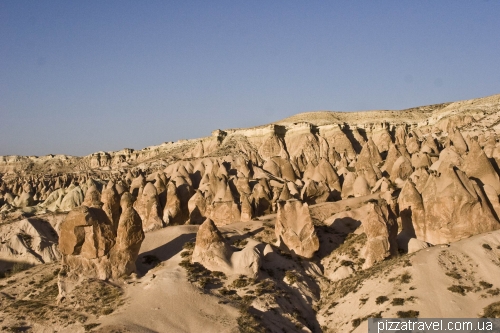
(453, 209)
(294, 228)
(148, 208)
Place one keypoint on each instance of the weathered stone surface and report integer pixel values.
(401, 169)
(294, 228)
(111, 203)
(129, 237)
(90, 247)
(148, 208)
(197, 208)
(86, 232)
(212, 251)
(477, 165)
(92, 198)
(173, 214)
(411, 211)
(381, 229)
(453, 208)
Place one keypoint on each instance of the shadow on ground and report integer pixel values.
(150, 259)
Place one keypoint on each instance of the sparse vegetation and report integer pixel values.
(492, 310)
(357, 321)
(494, 292)
(487, 247)
(398, 301)
(188, 246)
(454, 274)
(248, 321)
(485, 284)
(381, 299)
(240, 282)
(405, 278)
(408, 314)
(291, 277)
(459, 289)
(89, 327)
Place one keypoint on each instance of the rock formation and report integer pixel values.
(212, 251)
(294, 228)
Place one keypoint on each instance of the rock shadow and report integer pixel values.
(148, 260)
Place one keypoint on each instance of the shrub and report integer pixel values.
(492, 310)
(381, 299)
(89, 327)
(405, 278)
(398, 301)
(485, 284)
(459, 289)
(494, 292)
(454, 274)
(240, 282)
(346, 263)
(487, 247)
(19, 267)
(291, 277)
(188, 246)
(408, 314)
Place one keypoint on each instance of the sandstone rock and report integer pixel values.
(148, 208)
(111, 203)
(315, 192)
(173, 214)
(347, 186)
(86, 232)
(197, 208)
(260, 200)
(212, 251)
(415, 245)
(381, 232)
(136, 184)
(246, 208)
(477, 165)
(402, 169)
(294, 228)
(129, 237)
(91, 248)
(92, 198)
(392, 155)
(453, 208)
(411, 211)
(72, 199)
(360, 187)
(458, 142)
(285, 194)
(412, 144)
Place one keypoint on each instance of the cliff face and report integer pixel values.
(303, 138)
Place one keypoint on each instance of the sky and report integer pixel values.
(78, 77)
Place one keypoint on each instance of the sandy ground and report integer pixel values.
(162, 300)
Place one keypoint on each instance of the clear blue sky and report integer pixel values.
(82, 76)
